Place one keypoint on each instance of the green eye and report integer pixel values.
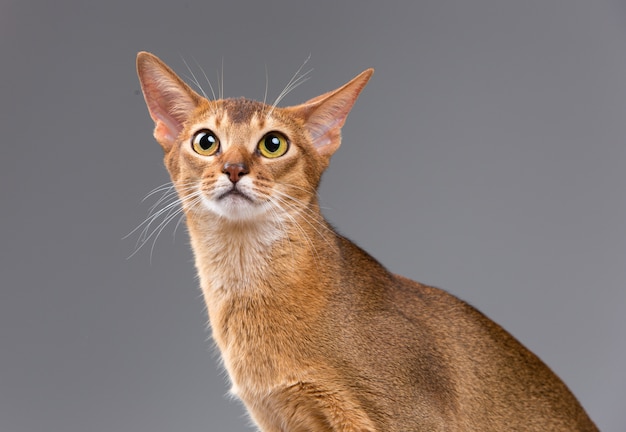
(205, 142)
(273, 145)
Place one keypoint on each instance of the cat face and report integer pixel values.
(238, 159)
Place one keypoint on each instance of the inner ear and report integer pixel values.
(170, 101)
(326, 114)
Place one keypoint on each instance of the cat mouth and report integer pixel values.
(234, 193)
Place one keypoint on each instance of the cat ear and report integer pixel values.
(170, 101)
(325, 114)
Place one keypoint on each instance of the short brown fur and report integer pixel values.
(315, 334)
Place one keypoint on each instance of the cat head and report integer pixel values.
(237, 158)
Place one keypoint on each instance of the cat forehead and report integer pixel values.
(243, 110)
(241, 120)
(239, 115)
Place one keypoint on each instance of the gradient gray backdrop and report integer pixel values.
(487, 156)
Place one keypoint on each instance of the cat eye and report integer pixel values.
(273, 145)
(205, 142)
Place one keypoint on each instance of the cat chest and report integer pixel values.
(265, 338)
(264, 343)
(234, 261)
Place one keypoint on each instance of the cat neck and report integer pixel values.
(263, 272)
(255, 258)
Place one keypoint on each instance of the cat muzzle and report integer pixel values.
(234, 192)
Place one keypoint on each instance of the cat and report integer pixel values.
(314, 333)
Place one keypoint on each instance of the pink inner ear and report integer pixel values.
(326, 114)
(324, 128)
(170, 101)
(166, 110)
(330, 113)
(167, 126)
(164, 132)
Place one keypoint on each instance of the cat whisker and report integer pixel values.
(147, 222)
(206, 78)
(189, 203)
(167, 197)
(180, 219)
(196, 82)
(267, 83)
(294, 82)
(193, 78)
(167, 220)
(191, 208)
(296, 205)
(288, 89)
(172, 207)
(279, 223)
(170, 194)
(167, 188)
(213, 107)
(278, 203)
(221, 81)
(305, 207)
(312, 226)
(164, 186)
(144, 236)
(159, 229)
(309, 190)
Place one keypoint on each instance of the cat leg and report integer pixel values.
(304, 406)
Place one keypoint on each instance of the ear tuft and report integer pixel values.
(170, 101)
(326, 114)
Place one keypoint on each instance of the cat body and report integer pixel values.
(315, 334)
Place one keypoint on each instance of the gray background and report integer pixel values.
(487, 156)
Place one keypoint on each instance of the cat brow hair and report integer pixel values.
(296, 80)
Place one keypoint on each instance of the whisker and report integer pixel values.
(296, 205)
(171, 194)
(180, 219)
(171, 207)
(172, 214)
(304, 205)
(167, 197)
(294, 82)
(297, 209)
(143, 236)
(158, 189)
(206, 78)
(221, 81)
(159, 229)
(278, 222)
(166, 221)
(275, 201)
(309, 189)
(300, 80)
(283, 206)
(267, 79)
(292, 85)
(193, 77)
(213, 107)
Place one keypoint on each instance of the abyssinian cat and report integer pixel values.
(315, 334)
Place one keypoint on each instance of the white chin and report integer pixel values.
(235, 208)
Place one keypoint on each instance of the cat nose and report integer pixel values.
(235, 171)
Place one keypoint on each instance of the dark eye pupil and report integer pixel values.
(207, 141)
(272, 143)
